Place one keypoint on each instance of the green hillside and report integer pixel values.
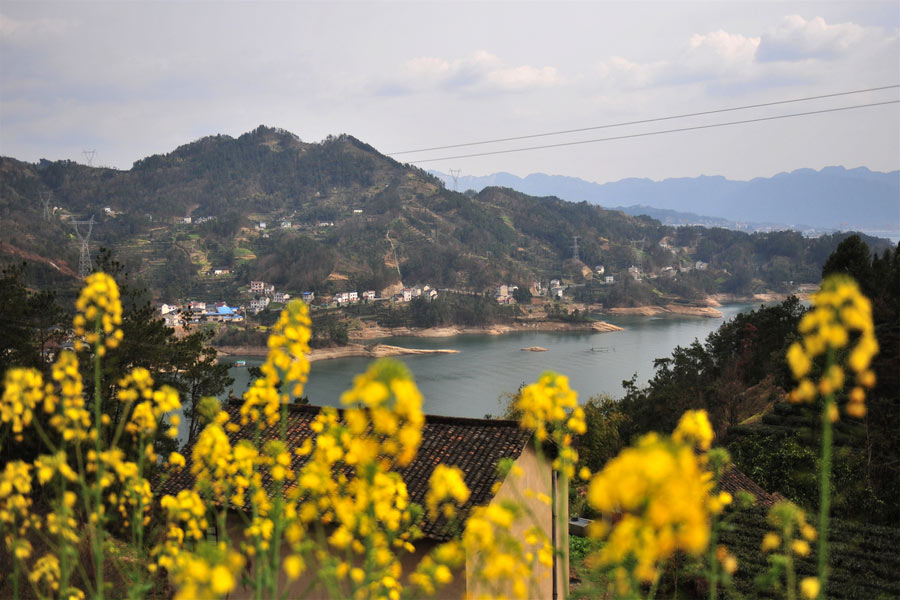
(340, 215)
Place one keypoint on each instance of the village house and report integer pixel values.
(357, 211)
(634, 272)
(165, 309)
(369, 295)
(308, 297)
(285, 224)
(599, 270)
(700, 265)
(610, 279)
(218, 272)
(222, 313)
(257, 287)
(268, 289)
(259, 304)
(281, 297)
(477, 447)
(261, 225)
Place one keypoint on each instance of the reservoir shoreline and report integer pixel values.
(383, 350)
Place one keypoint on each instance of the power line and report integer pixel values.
(644, 121)
(665, 131)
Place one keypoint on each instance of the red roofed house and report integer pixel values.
(476, 446)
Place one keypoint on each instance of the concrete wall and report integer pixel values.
(536, 476)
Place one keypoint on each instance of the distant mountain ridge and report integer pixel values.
(832, 198)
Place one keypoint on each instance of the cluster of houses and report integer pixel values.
(196, 312)
(504, 294)
(265, 293)
(196, 220)
(407, 294)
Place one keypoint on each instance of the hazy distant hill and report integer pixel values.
(833, 198)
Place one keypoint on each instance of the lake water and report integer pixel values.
(469, 384)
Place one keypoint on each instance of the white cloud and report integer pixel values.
(796, 50)
(34, 30)
(795, 38)
(479, 73)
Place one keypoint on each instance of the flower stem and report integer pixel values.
(562, 504)
(825, 493)
(713, 563)
(97, 532)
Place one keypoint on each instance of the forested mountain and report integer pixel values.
(832, 198)
(338, 215)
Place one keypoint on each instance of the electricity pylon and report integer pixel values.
(46, 203)
(84, 262)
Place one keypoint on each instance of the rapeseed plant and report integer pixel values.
(837, 332)
(345, 519)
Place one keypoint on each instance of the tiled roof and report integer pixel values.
(734, 481)
(476, 446)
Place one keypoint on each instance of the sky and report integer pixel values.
(132, 79)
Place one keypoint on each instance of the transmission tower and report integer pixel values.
(575, 247)
(89, 156)
(454, 173)
(84, 263)
(46, 203)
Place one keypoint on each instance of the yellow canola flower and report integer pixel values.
(293, 566)
(694, 428)
(72, 419)
(99, 313)
(389, 402)
(662, 493)
(550, 408)
(840, 314)
(809, 588)
(23, 390)
(286, 362)
(446, 488)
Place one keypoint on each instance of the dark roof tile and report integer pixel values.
(476, 446)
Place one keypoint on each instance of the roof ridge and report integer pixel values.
(314, 409)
